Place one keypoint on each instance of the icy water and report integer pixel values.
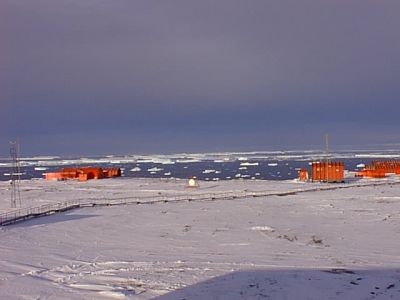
(278, 165)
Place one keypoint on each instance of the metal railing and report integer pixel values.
(22, 214)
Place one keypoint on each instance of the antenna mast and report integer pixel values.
(327, 157)
(15, 174)
(327, 145)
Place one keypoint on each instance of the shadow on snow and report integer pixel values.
(295, 284)
(52, 219)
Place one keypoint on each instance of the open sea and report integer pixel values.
(276, 165)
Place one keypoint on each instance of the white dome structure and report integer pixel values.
(192, 183)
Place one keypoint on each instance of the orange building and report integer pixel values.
(83, 174)
(303, 175)
(112, 172)
(60, 175)
(328, 171)
(388, 166)
(371, 173)
(379, 169)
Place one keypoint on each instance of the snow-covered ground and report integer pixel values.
(333, 244)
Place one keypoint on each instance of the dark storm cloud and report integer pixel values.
(198, 75)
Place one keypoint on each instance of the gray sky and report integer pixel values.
(103, 76)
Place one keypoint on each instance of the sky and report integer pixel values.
(81, 77)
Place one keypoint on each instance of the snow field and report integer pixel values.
(333, 244)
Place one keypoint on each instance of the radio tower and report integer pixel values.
(327, 146)
(327, 157)
(15, 174)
